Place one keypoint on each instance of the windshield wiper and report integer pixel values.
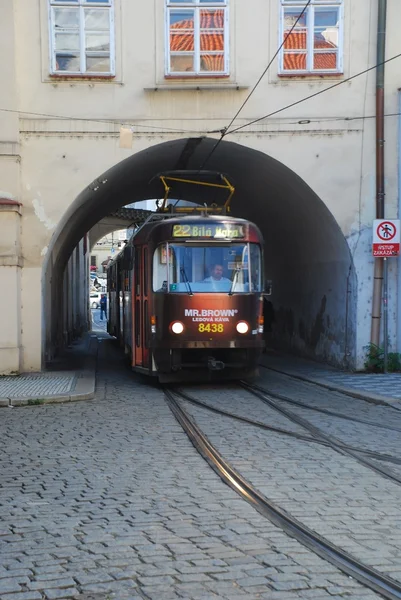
(235, 278)
(186, 280)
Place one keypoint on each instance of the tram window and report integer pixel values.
(256, 268)
(208, 268)
(146, 323)
(138, 256)
(137, 323)
(145, 271)
(160, 269)
(127, 281)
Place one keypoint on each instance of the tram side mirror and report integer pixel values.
(268, 288)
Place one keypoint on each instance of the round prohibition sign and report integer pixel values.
(386, 231)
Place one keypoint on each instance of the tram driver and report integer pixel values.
(216, 274)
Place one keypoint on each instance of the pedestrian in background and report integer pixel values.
(103, 306)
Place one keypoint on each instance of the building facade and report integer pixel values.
(100, 96)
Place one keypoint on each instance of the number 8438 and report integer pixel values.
(211, 327)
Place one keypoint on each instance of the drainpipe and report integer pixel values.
(379, 263)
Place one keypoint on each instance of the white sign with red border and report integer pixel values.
(386, 237)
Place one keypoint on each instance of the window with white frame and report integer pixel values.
(197, 37)
(315, 43)
(82, 37)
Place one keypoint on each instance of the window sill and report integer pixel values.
(195, 76)
(310, 75)
(78, 77)
(183, 86)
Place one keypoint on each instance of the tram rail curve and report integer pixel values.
(313, 439)
(332, 441)
(326, 411)
(332, 388)
(364, 574)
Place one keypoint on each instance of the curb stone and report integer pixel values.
(84, 386)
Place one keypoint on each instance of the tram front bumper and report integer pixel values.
(209, 358)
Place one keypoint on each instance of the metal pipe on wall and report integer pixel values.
(380, 192)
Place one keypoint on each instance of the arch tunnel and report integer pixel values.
(306, 255)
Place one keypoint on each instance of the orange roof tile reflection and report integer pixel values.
(211, 38)
(297, 61)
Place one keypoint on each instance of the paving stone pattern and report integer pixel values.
(108, 499)
(349, 504)
(384, 385)
(40, 385)
(388, 384)
(357, 434)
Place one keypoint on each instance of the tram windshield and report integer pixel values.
(234, 268)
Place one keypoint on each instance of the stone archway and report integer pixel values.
(306, 254)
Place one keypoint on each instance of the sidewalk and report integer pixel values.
(69, 378)
(377, 388)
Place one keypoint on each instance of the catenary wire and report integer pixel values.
(223, 131)
(275, 112)
(91, 120)
(303, 121)
(308, 120)
(269, 65)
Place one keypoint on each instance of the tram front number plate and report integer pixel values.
(211, 328)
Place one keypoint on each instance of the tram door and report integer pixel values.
(141, 319)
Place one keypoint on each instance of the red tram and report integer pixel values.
(185, 294)
(185, 297)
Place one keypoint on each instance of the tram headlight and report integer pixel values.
(242, 327)
(177, 327)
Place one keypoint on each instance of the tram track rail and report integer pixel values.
(327, 411)
(312, 439)
(332, 441)
(364, 574)
(332, 388)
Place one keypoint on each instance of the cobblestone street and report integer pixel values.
(353, 507)
(107, 498)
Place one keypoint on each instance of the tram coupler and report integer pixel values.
(215, 365)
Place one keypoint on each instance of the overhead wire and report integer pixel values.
(223, 132)
(268, 65)
(354, 243)
(279, 110)
(303, 121)
(308, 120)
(91, 120)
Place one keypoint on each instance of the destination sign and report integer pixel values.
(213, 231)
